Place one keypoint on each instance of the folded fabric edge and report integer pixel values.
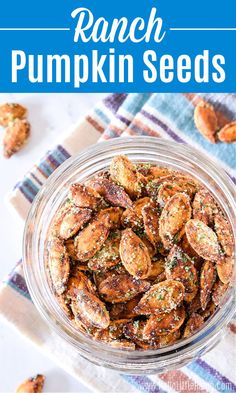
(73, 141)
(26, 334)
(25, 315)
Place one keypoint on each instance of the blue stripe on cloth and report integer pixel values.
(15, 282)
(179, 110)
(223, 102)
(212, 376)
(132, 105)
(48, 164)
(45, 168)
(52, 160)
(19, 290)
(112, 134)
(134, 102)
(36, 179)
(123, 119)
(60, 154)
(102, 116)
(57, 156)
(160, 123)
(28, 189)
(63, 151)
(114, 101)
(142, 383)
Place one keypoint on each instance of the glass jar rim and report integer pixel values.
(48, 192)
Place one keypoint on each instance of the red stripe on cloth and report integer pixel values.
(196, 99)
(40, 171)
(115, 130)
(180, 382)
(51, 163)
(95, 124)
(130, 132)
(105, 137)
(138, 127)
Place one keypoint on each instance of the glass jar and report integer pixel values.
(82, 167)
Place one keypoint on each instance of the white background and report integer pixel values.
(50, 115)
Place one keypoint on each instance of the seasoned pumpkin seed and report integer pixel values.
(185, 183)
(225, 269)
(84, 196)
(207, 279)
(59, 265)
(111, 192)
(224, 234)
(91, 239)
(73, 220)
(181, 268)
(133, 217)
(203, 240)
(134, 254)
(135, 271)
(124, 173)
(124, 310)
(162, 297)
(194, 323)
(162, 324)
(78, 283)
(174, 216)
(126, 345)
(11, 111)
(158, 267)
(218, 291)
(206, 120)
(32, 385)
(91, 310)
(134, 330)
(204, 207)
(119, 288)
(166, 191)
(151, 217)
(109, 255)
(113, 332)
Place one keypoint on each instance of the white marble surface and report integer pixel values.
(49, 115)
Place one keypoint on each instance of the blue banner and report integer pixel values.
(124, 45)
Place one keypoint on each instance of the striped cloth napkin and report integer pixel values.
(168, 116)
